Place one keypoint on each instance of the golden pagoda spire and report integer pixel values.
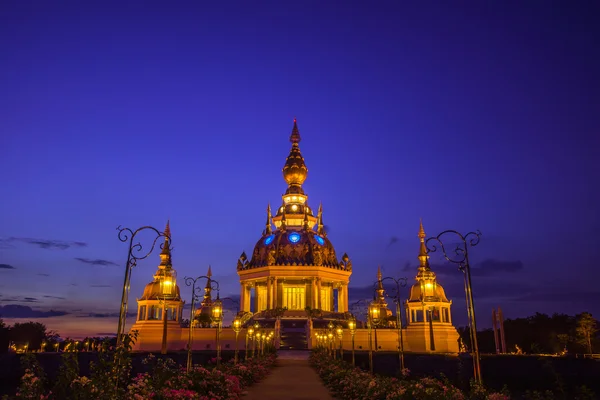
(268, 229)
(423, 257)
(294, 169)
(320, 226)
(380, 289)
(207, 300)
(165, 254)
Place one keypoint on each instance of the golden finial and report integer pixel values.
(268, 225)
(295, 136)
(283, 220)
(168, 229)
(320, 225)
(209, 273)
(423, 257)
(380, 289)
(306, 221)
(166, 250)
(294, 170)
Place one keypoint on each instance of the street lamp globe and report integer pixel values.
(237, 325)
(217, 311)
(352, 324)
(374, 312)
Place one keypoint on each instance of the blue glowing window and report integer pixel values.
(269, 239)
(294, 237)
(320, 240)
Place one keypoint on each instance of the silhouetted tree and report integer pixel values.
(587, 327)
(538, 333)
(30, 333)
(4, 337)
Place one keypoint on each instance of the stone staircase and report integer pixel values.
(293, 335)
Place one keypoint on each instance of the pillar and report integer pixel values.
(255, 297)
(269, 294)
(314, 294)
(345, 297)
(275, 303)
(242, 296)
(319, 305)
(340, 298)
(247, 297)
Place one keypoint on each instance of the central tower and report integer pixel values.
(294, 265)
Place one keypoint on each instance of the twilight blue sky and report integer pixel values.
(471, 115)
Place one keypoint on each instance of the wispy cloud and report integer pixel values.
(96, 262)
(393, 241)
(19, 311)
(105, 315)
(491, 267)
(30, 299)
(55, 297)
(100, 286)
(46, 243)
(43, 274)
(7, 266)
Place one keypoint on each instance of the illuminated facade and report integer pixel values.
(293, 284)
(160, 307)
(294, 265)
(428, 309)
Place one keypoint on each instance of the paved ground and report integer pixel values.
(291, 379)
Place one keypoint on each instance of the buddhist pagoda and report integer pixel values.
(293, 267)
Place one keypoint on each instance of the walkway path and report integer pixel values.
(291, 379)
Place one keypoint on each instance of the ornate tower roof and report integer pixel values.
(426, 289)
(294, 240)
(164, 286)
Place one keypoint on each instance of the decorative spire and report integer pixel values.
(295, 136)
(207, 300)
(380, 289)
(320, 226)
(283, 220)
(306, 220)
(268, 229)
(294, 170)
(423, 257)
(165, 254)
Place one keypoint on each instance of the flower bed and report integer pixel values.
(164, 380)
(348, 382)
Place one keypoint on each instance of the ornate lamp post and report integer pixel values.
(217, 318)
(262, 344)
(400, 282)
(189, 281)
(250, 334)
(460, 257)
(167, 285)
(135, 253)
(330, 344)
(373, 321)
(340, 334)
(237, 327)
(257, 336)
(352, 328)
